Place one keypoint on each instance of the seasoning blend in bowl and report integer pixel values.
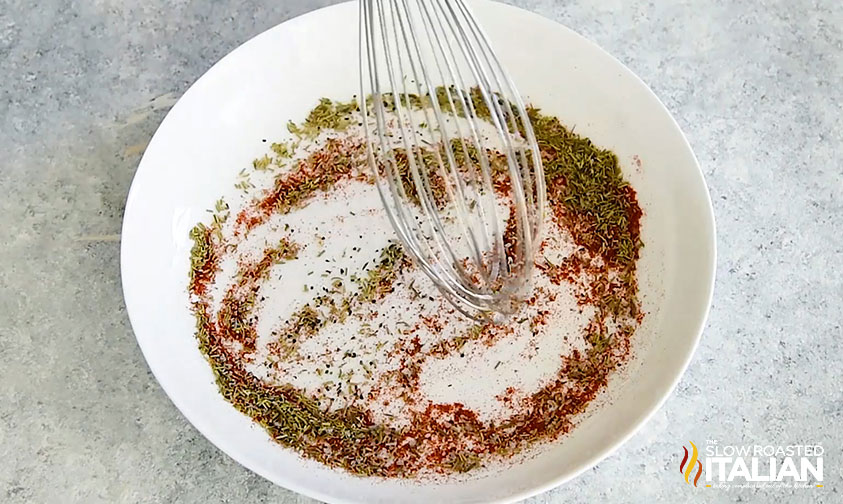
(358, 369)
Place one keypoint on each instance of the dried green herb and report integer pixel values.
(262, 164)
(282, 149)
(429, 167)
(320, 171)
(378, 280)
(475, 333)
(328, 115)
(346, 437)
(463, 462)
(203, 258)
(587, 181)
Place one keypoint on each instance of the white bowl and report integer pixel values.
(216, 127)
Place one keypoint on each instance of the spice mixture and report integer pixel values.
(318, 327)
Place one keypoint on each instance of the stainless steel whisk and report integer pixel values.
(454, 155)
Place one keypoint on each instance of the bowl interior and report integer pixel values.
(217, 128)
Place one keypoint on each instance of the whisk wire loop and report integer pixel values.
(453, 153)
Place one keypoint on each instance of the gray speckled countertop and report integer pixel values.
(756, 86)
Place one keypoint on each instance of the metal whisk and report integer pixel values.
(455, 159)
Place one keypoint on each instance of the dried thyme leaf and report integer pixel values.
(378, 281)
(203, 258)
(463, 462)
(261, 164)
(328, 115)
(587, 181)
(282, 149)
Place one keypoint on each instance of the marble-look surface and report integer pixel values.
(756, 86)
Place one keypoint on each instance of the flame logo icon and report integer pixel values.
(687, 466)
